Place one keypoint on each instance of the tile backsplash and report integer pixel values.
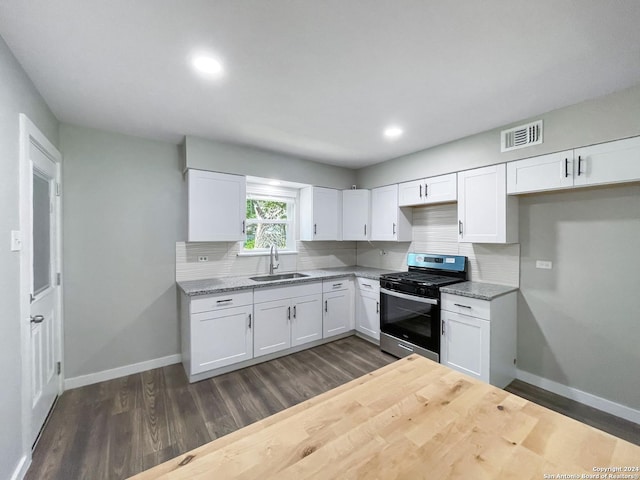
(434, 231)
(223, 259)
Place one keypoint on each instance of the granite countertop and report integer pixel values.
(483, 291)
(211, 286)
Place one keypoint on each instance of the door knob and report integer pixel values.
(37, 318)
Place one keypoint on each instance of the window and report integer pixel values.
(270, 218)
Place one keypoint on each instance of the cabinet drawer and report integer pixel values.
(220, 301)
(473, 307)
(366, 285)
(335, 284)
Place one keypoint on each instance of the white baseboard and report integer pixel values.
(594, 401)
(82, 380)
(21, 469)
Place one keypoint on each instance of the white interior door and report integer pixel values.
(44, 296)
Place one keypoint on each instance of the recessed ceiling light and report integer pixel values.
(393, 133)
(208, 65)
(275, 182)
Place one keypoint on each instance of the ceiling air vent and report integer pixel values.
(521, 136)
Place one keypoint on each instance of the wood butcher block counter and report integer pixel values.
(411, 419)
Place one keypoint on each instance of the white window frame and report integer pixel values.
(277, 194)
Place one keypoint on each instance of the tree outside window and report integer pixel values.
(269, 222)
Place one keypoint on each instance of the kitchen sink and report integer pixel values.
(280, 276)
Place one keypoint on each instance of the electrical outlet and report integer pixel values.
(544, 264)
(203, 258)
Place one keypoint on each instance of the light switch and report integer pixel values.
(16, 240)
(546, 264)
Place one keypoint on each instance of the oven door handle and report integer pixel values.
(431, 301)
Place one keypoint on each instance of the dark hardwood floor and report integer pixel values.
(114, 429)
(117, 428)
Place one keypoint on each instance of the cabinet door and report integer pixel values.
(221, 338)
(337, 313)
(441, 189)
(483, 206)
(368, 314)
(320, 214)
(306, 321)
(465, 344)
(216, 207)
(356, 223)
(388, 221)
(411, 193)
(546, 172)
(609, 162)
(272, 327)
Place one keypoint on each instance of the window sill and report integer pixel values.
(266, 254)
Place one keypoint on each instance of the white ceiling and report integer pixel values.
(321, 79)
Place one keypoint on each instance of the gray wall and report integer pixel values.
(579, 323)
(222, 157)
(17, 95)
(603, 119)
(123, 213)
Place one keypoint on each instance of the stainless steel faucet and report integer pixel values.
(271, 255)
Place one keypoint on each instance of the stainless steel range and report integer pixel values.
(410, 303)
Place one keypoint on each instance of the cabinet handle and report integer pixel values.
(325, 306)
(367, 285)
(288, 313)
(243, 229)
(426, 190)
(294, 311)
(249, 320)
(443, 327)
(315, 228)
(365, 228)
(460, 227)
(394, 228)
(460, 305)
(225, 301)
(566, 167)
(377, 307)
(420, 191)
(337, 285)
(579, 165)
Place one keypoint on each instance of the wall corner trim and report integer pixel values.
(91, 378)
(586, 398)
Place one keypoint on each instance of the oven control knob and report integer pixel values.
(422, 291)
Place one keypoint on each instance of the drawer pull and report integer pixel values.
(337, 285)
(460, 305)
(225, 301)
(367, 285)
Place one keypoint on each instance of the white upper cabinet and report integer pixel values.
(546, 172)
(216, 207)
(430, 190)
(610, 162)
(605, 163)
(389, 222)
(356, 214)
(320, 214)
(485, 213)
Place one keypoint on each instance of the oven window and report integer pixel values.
(413, 321)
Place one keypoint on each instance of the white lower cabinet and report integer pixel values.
(287, 317)
(368, 307)
(216, 331)
(338, 311)
(478, 337)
